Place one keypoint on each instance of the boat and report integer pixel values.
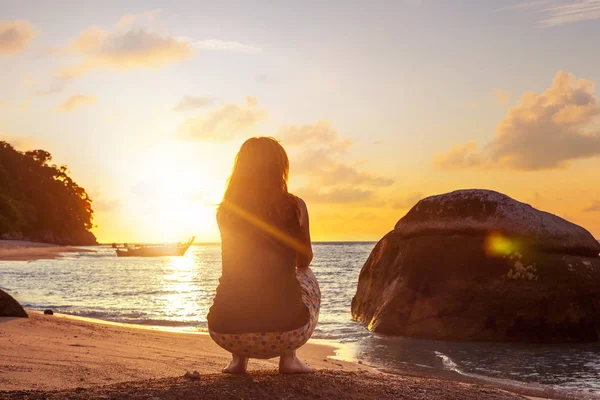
(156, 251)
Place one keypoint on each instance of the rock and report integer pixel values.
(479, 212)
(9, 307)
(477, 265)
(193, 376)
(48, 312)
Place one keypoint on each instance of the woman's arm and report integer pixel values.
(304, 257)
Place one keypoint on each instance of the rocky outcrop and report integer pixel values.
(9, 307)
(478, 265)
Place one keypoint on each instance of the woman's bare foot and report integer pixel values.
(290, 364)
(237, 365)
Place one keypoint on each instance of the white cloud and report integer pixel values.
(146, 17)
(559, 12)
(223, 45)
(135, 43)
(133, 49)
(15, 36)
(543, 131)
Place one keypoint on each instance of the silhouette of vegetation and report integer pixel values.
(39, 201)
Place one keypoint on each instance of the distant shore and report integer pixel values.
(54, 357)
(21, 250)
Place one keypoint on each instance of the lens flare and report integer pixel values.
(497, 244)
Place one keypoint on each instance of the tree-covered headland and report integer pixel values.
(40, 202)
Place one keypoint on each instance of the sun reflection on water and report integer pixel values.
(183, 291)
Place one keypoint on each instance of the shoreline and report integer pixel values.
(43, 350)
(23, 250)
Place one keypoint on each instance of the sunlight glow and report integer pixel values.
(498, 245)
(179, 193)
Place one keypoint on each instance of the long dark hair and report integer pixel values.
(257, 186)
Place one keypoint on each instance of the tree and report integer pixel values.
(39, 201)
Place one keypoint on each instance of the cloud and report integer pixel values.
(318, 151)
(593, 207)
(321, 134)
(501, 96)
(408, 201)
(223, 45)
(342, 195)
(132, 49)
(76, 101)
(559, 12)
(148, 17)
(15, 36)
(543, 131)
(56, 86)
(191, 103)
(225, 122)
(134, 44)
(460, 156)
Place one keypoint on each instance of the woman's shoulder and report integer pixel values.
(301, 204)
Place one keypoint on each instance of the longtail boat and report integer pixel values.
(156, 251)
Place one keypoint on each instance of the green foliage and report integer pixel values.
(39, 201)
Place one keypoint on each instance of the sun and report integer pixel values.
(180, 195)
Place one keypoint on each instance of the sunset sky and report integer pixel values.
(379, 104)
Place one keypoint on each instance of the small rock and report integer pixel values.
(193, 376)
(48, 312)
(360, 362)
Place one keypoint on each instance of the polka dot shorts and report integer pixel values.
(273, 344)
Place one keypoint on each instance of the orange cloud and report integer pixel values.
(318, 152)
(593, 207)
(15, 36)
(137, 48)
(461, 156)
(225, 122)
(341, 195)
(543, 131)
(501, 96)
(76, 101)
(132, 44)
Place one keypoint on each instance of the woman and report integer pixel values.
(267, 302)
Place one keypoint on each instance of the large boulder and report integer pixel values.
(9, 307)
(477, 265)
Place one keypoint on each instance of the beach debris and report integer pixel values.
(48, 312)
(193, 376)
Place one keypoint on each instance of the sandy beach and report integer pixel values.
(21, 250)
(56, 357)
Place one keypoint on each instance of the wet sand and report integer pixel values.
(20, 250)
(61, 357)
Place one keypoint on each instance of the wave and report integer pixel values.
(447, 362)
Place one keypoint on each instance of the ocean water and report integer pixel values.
(176, 293)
